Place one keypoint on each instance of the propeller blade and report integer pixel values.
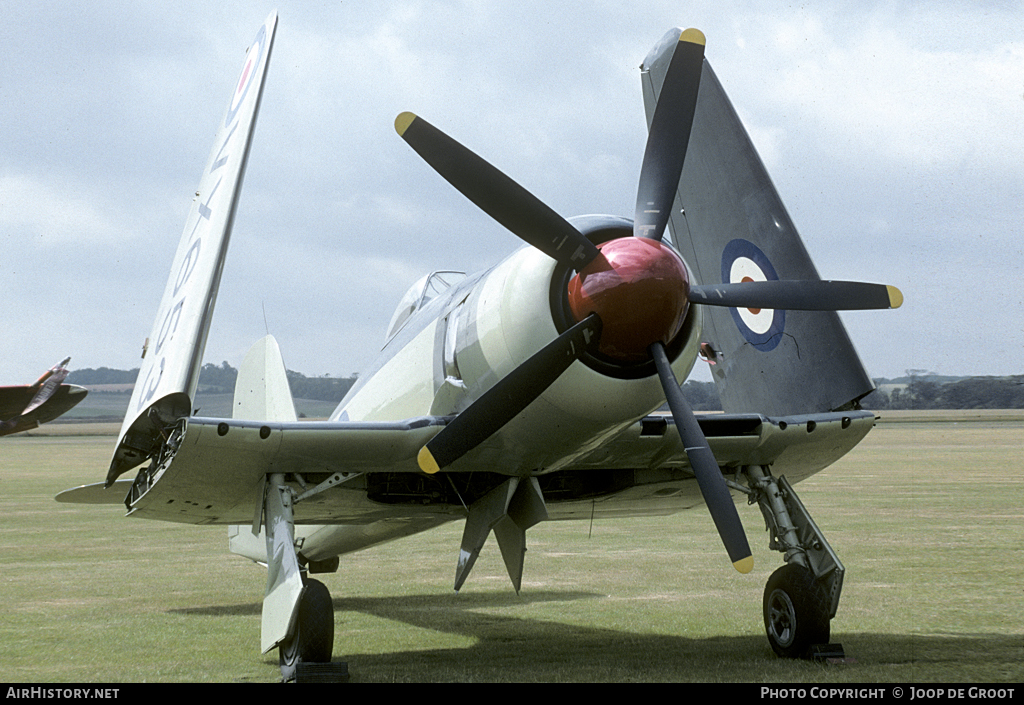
(668, 137)
(799, 295)
(496, 194)
(509, 396)
(705, 467)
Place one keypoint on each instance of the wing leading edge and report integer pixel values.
(219, 466)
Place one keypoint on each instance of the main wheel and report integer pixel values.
(796, 611)
(313, 639)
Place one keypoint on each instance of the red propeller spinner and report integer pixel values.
(639, 288)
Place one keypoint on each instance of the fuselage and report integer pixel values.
(457, 345)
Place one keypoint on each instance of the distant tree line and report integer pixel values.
(319, 388)
(102, 375)
(965, 393)
(912, 392)
(214, 379)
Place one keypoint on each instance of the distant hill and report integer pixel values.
(110, 391)
(938, 392)
(219, 379)
(90, 377)
(926, 377)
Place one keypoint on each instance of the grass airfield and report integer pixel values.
(926, 514)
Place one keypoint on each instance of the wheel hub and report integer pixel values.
(781, 617)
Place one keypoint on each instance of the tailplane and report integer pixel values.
(730, 225)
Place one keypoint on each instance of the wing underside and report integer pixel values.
(367, 472)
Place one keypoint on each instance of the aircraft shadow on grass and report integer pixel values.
(555, 646)
(403, 607)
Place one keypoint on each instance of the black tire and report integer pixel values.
(313, 640)
(796, 611)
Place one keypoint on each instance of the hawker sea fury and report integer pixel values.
(526, 392)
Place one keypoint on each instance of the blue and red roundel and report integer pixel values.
(252, 62)
(744, 261)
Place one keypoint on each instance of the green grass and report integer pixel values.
(926, 515)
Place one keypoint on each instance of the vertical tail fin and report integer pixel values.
(169, 373)
(262, 392)
(729, 224)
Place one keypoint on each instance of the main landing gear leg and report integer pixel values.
(801, 597)
(298, 614)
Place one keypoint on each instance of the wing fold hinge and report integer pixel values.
(170, 439)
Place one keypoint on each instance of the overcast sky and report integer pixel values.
(893, 131)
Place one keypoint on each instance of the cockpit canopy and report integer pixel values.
(419, 294)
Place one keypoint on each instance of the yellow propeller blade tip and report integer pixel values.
(403, 121)
(426, 461)
(693, 36)
(895, 297)
(744, 565)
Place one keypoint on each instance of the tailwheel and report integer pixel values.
(312, 640)
(796, 611)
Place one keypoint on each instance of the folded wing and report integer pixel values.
(169, 373)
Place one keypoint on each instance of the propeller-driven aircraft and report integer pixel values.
(529, 391)
(27, 406)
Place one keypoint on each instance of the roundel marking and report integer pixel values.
(252, 62)
(744, 261)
